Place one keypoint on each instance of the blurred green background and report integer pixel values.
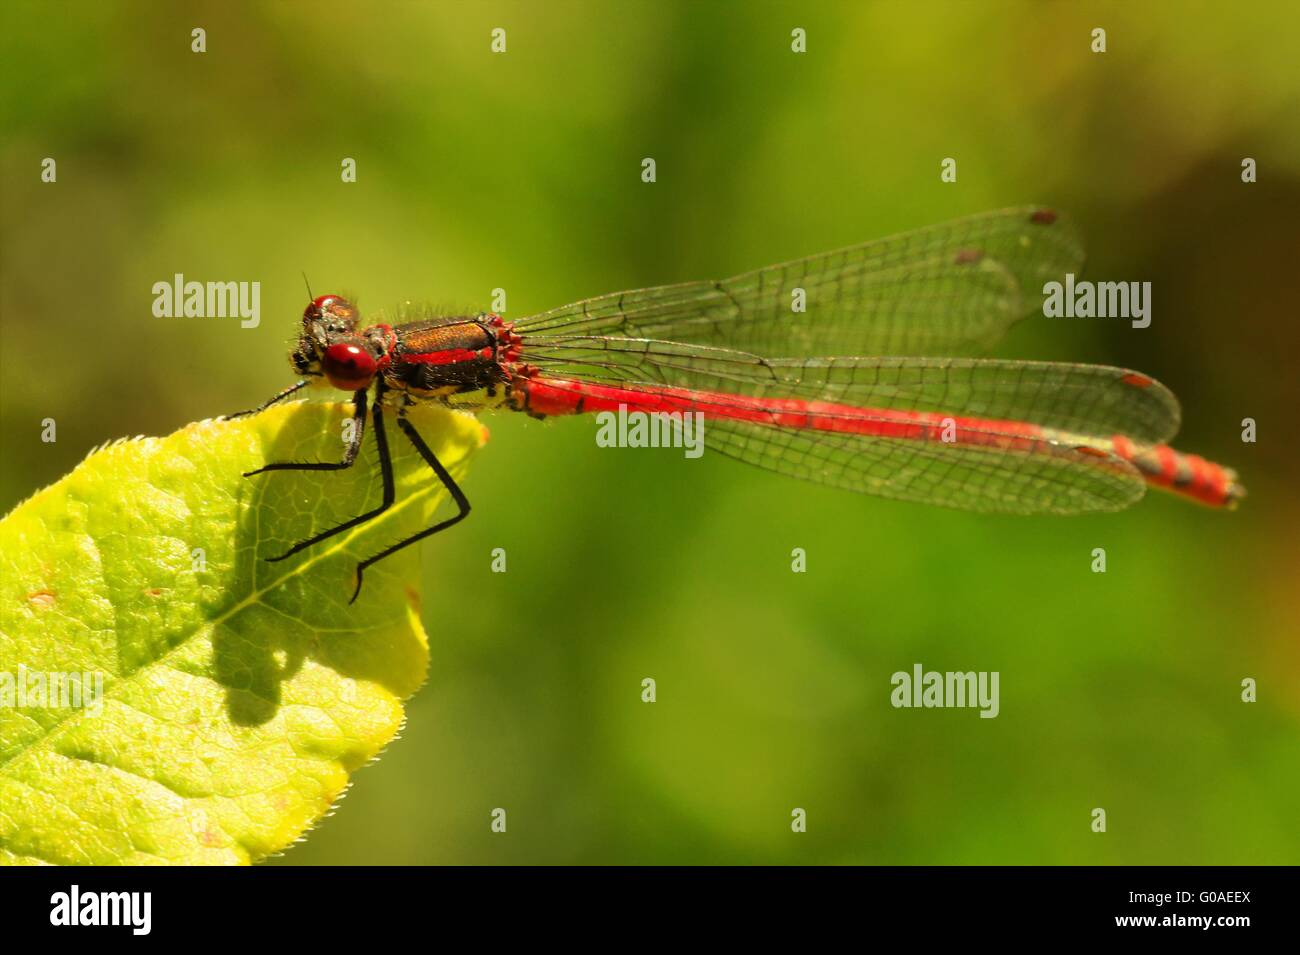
(522, 171)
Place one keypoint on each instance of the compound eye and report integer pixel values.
(348, 367)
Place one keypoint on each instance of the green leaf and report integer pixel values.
(237, 694)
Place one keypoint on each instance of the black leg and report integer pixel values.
(266, 404)
(385, 469)
(447, 481)
(349, 455)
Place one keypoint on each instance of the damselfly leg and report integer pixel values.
(431, 459)
(385, 470)
(359, 401)
(292, 389)
(349, 453)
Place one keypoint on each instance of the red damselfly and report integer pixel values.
(858, 388)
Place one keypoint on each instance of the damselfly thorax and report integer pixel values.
(424, 359)
(437, 358)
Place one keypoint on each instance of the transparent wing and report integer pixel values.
(946, 289)
(1043, 478)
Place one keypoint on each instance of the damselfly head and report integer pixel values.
(329, 345)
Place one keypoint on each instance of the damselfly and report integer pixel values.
(836, 368)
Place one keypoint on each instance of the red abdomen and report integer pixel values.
(1187, 474)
